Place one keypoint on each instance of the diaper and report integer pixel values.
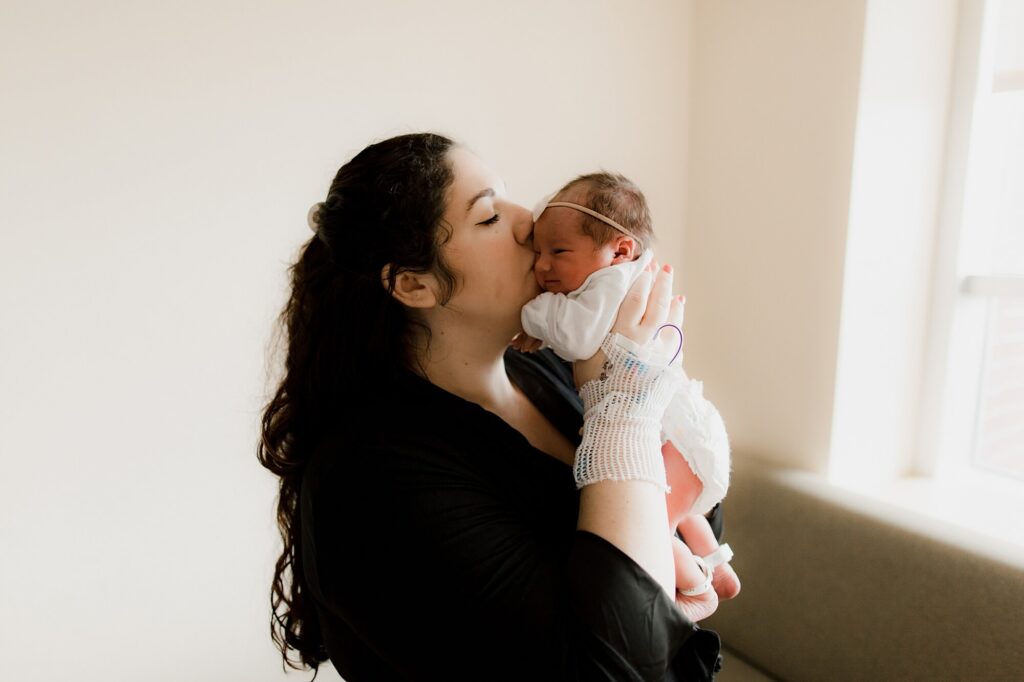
(694, 426)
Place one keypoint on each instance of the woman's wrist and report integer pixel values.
(623, 448)
(623, 408)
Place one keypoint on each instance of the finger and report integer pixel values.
(631, 310)
(676, 337)
(668, 336)
(658, 303)
(675, 314)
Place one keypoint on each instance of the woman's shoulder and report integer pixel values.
(413, 425)
(422, 435)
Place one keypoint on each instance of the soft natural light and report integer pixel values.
(1006, 115)
(999, 444)
(968, 469)
(993, 234)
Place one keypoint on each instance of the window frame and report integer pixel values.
(962, 289)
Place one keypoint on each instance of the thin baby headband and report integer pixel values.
(546, 203)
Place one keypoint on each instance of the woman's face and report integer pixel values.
(491, 247)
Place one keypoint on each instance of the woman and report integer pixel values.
(428, 503)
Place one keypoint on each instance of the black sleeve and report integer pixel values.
(603, 569)
(591, 614)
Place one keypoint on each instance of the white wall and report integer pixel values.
(899, 163)
(156, 164)
(818, 134)
(774, 104)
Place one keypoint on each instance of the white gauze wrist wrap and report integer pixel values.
(622, 412)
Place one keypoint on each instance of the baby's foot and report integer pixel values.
(725, 582)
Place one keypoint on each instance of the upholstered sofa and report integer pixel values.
(836, 587)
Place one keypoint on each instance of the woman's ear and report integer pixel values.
(625, 250)
(413, 289)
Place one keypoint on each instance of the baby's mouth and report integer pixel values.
(553, 284)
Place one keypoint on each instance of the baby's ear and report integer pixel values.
(625, 250)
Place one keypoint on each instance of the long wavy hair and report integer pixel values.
(344, 333)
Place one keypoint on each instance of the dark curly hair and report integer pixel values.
(342, 329)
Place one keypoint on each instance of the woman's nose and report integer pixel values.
(522, 227)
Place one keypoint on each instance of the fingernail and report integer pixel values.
(667, 268)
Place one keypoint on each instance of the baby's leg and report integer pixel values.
(694, 527)
(694, 426)
(699, 537)
(686, 487)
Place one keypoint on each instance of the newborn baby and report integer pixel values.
(592, 240)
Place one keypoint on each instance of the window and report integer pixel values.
(982, 424)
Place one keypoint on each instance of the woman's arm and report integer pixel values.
(631, 514)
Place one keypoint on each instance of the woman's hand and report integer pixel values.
(645, 308)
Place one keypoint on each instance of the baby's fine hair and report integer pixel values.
(617, 197)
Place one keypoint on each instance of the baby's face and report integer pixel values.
(563, 256)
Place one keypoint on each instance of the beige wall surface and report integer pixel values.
(896, 189)
(157, 163)
(773, 113)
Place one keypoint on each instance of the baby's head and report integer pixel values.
(570, 244)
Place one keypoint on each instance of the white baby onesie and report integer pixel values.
(573, 325)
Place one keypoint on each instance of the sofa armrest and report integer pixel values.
(840, 588)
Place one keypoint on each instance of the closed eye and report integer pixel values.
(491, 220)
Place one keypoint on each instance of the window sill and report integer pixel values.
(979, 513)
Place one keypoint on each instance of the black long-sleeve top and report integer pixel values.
(438, 544)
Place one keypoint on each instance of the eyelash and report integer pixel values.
(493, 220)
